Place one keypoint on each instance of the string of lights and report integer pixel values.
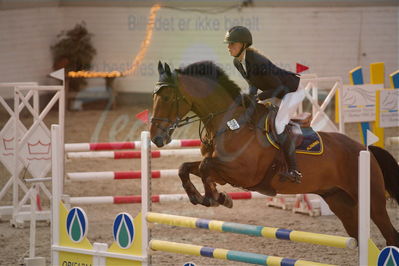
(137, 60)
(147, 40)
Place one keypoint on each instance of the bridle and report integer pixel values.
(180, 122)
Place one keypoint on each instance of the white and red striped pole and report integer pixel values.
(131, 145)
(131, 154)
(119, 175)
(156, 198)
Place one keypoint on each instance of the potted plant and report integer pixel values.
(74, 51)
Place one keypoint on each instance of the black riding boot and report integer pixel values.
(287, 145)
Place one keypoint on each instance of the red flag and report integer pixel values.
(300, 68)
(143, 116)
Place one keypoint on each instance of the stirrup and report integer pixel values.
(293, 175)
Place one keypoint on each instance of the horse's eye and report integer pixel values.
(166, 98)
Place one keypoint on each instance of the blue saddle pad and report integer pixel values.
(312, 142)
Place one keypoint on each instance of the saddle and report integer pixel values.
(294, 126)
(307, 140)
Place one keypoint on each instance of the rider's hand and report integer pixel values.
(265, 95)
(252, 90)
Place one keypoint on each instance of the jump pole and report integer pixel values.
(155, 198)
(105, 146)
(131, 154)
(231, 255)
(253, 230)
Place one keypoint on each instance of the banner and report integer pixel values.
(358, 102)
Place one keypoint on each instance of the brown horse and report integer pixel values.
(244, 158)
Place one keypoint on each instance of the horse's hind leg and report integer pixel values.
(379, 215)
(344, 208)
(215, 198)
(212, 196)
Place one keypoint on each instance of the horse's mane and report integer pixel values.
(209, 70)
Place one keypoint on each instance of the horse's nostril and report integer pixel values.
(158, 141)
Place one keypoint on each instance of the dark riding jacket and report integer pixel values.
(262, 74)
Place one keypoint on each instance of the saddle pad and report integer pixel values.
(311, 144)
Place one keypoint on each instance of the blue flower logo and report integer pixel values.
(76, 224)
(389, 256)
(123, 230)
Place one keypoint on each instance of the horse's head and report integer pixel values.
(169, 106)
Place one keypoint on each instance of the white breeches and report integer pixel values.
(288, 107)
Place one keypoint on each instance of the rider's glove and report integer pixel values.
(252, 90)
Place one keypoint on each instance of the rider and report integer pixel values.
(262, 74)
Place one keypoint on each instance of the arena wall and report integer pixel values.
(330, 40)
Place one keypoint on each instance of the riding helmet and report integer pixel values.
(238, 34)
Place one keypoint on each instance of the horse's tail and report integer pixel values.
(390, 170)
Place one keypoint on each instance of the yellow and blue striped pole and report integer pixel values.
(231, 255)
(253, 230)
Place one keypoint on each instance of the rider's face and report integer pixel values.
(234, 48)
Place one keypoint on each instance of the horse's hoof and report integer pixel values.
(225, 200)
(193, 200)
(206, 202)
(209, 202)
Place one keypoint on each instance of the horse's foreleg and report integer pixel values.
(184, 173)
(212, 196)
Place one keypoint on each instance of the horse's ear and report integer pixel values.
(167, 70)
(160, 68)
